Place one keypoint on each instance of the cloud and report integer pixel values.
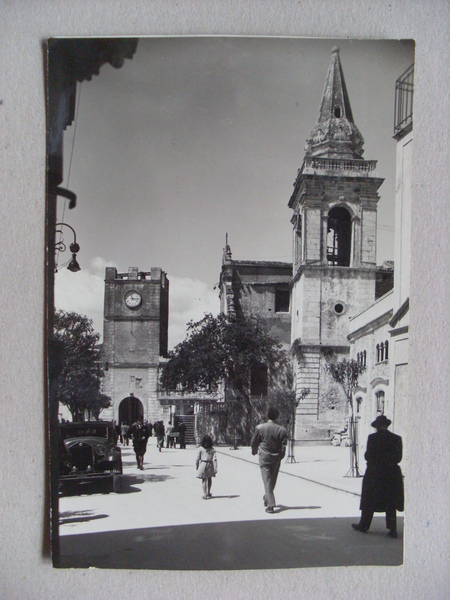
(83, 292)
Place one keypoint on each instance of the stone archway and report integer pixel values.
(339, 237)
(130, 409)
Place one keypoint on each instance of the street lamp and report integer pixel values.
(60, 246)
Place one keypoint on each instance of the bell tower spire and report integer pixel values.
(335, 134)
(334, 221)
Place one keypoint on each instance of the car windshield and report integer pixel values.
(84, 431)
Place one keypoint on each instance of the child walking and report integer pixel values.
(206, 465)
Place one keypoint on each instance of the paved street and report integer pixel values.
(158, 519)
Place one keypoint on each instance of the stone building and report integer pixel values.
(371, 345)
(400, 319)
(257, 287)
(334, 206)
(135, 333)
(379, 335)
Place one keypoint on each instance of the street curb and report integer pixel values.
(331, 487)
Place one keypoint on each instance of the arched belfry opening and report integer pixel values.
(339, 237)
(130, 409)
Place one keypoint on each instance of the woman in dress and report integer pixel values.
(206, 465)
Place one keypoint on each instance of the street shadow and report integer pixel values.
(81, 516)
(281, 508)
(147, 465)
(317, 460)
(220, 497)
(151, 478)
(85, 488)
(237, 545)
(127, 482)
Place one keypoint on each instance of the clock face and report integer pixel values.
(132, 299)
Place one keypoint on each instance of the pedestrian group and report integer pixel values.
(382, 485)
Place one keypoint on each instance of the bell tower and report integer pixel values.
(135, 329)
(334, 220)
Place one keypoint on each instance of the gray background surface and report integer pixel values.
(25, 567)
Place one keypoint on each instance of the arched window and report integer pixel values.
(364, 358)
(339, 237)
(358, 404)
(378, 353)
(380, 402)
(386, 350)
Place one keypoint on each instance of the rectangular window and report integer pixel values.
(258, 380)
(282, 300)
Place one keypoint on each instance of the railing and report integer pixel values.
(340, 164)
(404, 96)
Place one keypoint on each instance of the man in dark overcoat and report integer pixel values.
(382, 486)
(182, 434)
(139, 434)
(269, 442)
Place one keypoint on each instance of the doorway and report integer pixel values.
(129, 410)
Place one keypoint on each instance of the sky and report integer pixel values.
(198, 137)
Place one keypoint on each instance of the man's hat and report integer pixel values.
(381, 421)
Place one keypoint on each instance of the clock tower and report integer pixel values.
(334, 206)
(135, 331)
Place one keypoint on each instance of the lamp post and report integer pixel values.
(60, 246)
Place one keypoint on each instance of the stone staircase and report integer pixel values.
(189, 421)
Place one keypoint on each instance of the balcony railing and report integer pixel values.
(404, 95)
(339, 164)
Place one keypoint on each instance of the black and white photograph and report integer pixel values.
(224, 299)
(228, 286)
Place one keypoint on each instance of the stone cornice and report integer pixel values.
(328, 269)
(379, 381)
(400, 313)
(399, 331)
(370, 327)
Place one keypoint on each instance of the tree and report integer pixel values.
(217, 350)
(293, 402)
(96, 404)
(347, 373)
(78, 384)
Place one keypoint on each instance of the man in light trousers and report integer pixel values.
(269, 441)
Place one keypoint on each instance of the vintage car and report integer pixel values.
(88, 453)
